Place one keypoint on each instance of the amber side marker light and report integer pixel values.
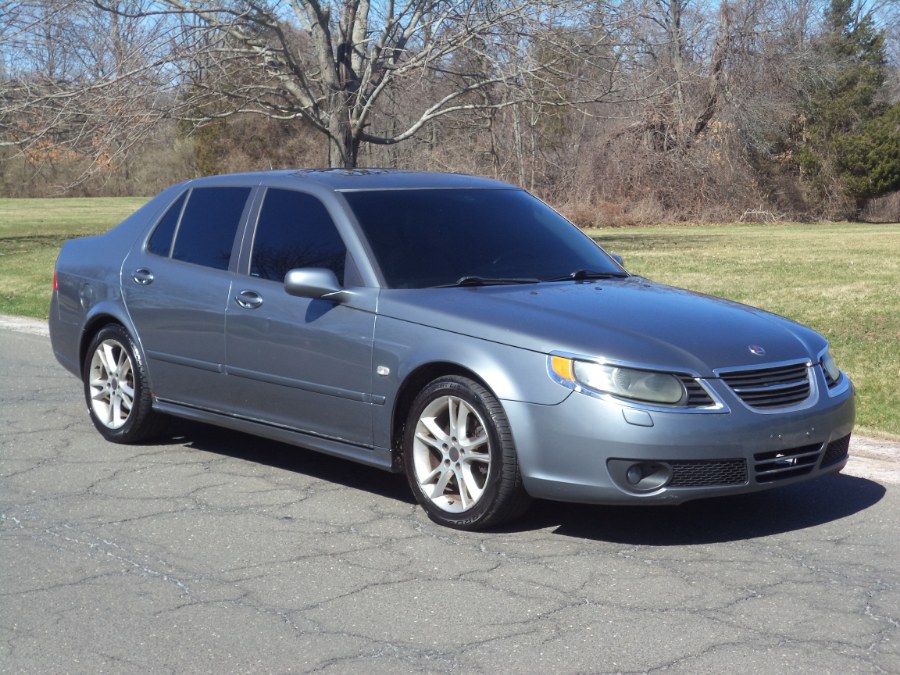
(563, 367)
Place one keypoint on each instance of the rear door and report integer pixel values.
(176, 287)
(300, 363)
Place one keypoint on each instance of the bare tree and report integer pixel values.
(625, 110)
(77, 83)
(329, 63)
(684, 67)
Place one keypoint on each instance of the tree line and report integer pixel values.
(628, 111)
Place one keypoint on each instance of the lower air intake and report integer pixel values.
(836, 451)
(702, 473)
(776, 465)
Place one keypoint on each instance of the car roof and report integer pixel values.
(345, 180)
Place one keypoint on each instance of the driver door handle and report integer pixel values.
(248, 299)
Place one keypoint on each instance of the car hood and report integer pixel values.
(630, 319)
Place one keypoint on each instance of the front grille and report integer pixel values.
(836, 451)
(775, 387)
(702, 473)
(776, 465)
(697, 395)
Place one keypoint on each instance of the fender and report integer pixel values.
(403, 349)
(111, 311)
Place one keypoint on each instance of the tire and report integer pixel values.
(468, 480)
(115, 388)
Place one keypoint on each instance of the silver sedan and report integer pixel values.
(450, 327)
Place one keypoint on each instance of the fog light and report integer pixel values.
(634, 474)
(637, 476)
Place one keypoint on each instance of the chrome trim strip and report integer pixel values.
(762, 366)
(770, 388)
(602, 360)
(303, 385)
(208, 366)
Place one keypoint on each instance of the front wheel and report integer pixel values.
(459, 456)
(115, 388)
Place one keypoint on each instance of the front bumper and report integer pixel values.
(581, 449)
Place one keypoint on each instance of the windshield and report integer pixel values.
(442, 237)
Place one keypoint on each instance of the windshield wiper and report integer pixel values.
(581, 275)
(474, 280)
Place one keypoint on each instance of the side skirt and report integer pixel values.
(377, 457)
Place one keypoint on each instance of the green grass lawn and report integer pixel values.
(841, 279)
(31, 232)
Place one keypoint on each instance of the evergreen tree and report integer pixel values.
(850, 149)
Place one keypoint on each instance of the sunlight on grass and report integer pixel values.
(31, 233)
(66, 218)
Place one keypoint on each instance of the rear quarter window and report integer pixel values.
(205, 234)
(161, 240)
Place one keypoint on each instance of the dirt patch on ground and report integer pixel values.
(875, 459)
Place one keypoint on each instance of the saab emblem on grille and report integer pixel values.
(757, 350)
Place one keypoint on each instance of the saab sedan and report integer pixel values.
(450, 327)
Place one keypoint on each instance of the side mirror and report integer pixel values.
(314, 282)
(617, 258)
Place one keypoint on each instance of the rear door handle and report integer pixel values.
(142, 276)
(248, 299)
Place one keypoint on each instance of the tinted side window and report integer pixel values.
(210, 219)
(161, 240)
(295, 230)
(431, 237)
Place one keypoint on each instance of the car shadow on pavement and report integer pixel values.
(249, 448)
(706, 521)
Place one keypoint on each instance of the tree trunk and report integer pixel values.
(343, 147)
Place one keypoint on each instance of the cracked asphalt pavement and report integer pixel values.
(217, 552)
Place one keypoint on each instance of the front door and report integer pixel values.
(294, 362)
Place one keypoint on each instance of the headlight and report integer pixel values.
(832, 372)
(631, 383)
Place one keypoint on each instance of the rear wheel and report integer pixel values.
(115, 388)
(459, 456)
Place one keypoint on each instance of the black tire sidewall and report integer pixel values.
(132, 430)
(474, 395)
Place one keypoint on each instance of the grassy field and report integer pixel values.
(31, 232)
(841, 279)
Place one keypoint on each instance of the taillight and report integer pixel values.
(55, 282)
